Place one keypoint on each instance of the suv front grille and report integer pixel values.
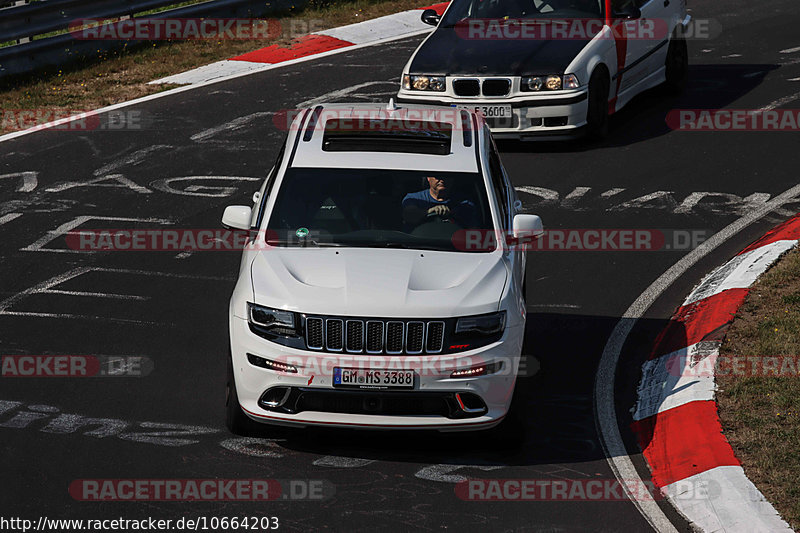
(374, 336)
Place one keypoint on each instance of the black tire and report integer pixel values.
(236, 421)
(597, 112)
(677, 63)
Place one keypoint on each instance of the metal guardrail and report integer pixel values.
(23, 22)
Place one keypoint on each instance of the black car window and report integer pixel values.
(499, 185)
(378, 208)
(461, 10)
(270, 181)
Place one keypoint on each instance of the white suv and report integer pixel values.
(363, 299)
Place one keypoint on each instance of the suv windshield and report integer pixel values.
(378, 208)
(462, 10)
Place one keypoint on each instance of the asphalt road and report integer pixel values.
(172, 308)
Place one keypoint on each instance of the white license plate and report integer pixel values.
(491, 111)
(373, 379)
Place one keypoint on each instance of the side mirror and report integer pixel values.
(630, 12)
(529, 226)
(430, 16)
(237, 217)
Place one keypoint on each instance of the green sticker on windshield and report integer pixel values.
(302, 232)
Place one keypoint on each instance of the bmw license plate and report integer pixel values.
(373, 379)
(491, 111)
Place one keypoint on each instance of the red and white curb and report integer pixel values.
(389, 27)
(675, 417)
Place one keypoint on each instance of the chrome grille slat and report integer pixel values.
(415, 337)
(314, 333)
(434, 339)
(394, 337)
(334, 334)
(374, 336)
(354, 336)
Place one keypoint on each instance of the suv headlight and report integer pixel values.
(552, 82)
(482, 325)
(423, 83)
(271, 320)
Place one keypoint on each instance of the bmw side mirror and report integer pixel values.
(430, 16)
(237, 217)
(527, 226)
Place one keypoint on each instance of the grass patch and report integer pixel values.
(761, 415)
(124, 74)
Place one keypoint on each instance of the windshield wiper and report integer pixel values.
(304, 243)
(403, 245)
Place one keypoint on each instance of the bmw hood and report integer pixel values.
(376, 282)
(448, 53)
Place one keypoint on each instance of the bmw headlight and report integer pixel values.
(533, 83)
(552, 82)
(482, 325)
(275, 321)
(423, 83)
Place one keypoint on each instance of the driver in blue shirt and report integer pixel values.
(434, 203)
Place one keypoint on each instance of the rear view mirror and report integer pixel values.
(237, 217)
(430, 16)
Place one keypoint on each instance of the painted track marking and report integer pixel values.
(605, 412)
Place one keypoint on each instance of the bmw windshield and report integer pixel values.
(463, 10)
(378, 208)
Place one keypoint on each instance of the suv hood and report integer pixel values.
(445, 52)
(376, 282)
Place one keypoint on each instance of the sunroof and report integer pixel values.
(373, 135)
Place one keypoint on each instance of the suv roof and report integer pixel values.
(412, 137)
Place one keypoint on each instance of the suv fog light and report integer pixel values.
(478, 370)
(270, 365)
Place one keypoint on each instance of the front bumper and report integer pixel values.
(325, 405)
(558, 116)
